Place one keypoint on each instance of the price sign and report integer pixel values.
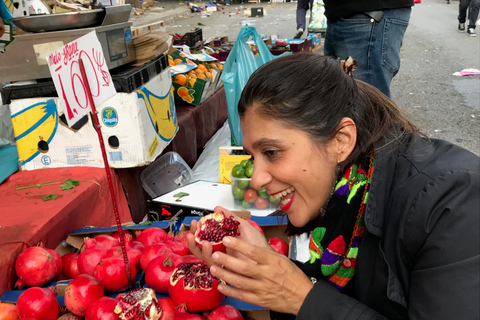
(71, 89)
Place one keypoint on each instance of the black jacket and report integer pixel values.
(335, 9)
(419, 256)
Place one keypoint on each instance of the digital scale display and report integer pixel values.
(117, 45)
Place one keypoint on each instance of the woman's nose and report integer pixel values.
(260, 177)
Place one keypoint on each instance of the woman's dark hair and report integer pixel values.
(312, 93)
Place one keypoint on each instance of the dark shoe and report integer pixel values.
(299, 34)
(471, 32)
(461, 27)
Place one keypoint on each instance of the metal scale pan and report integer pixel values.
(60, 21)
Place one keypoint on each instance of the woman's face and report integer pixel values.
(289, 165)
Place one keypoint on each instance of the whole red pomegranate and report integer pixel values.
(193, 284)
(256, 226)
(159, 270)
(88, 260)
(102, 309)
(70, 316)
(35, 266)
(214, 227)
(225, 312)
(38, 303)
(70, 265)
(101, 241)
(58, 261)
(136, 245)
(182, 314)
(111, 271)
(8, 311)
(151, 252)
(279, 245)
(177, 247)
(138, 304)
(151, 235)
(81, 292)
(132, 254)
(168, 308)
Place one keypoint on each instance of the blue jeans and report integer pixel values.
(374, 45)
(302, 7)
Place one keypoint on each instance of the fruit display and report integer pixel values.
(245, 196)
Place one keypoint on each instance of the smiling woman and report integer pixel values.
(384, 206)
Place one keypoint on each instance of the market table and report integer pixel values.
(26, 219)
(196, 126)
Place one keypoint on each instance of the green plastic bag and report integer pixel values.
(240, 64)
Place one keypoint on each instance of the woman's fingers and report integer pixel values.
(254, 252)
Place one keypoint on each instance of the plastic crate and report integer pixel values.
(190, 38)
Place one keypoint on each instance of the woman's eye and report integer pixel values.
(270, 153)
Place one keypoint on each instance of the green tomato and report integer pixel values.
(246, 204)
(238, 171)
(263, 193)
(274, 200)
(242, 183)
(249, 171)
(237, 192)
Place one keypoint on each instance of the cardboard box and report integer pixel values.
(136, 127)
(227, 160)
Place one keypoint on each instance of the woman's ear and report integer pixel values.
(346, 138)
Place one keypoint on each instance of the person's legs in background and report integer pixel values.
(374, 45)
(462, 14)
(302, 8)
(473, 16)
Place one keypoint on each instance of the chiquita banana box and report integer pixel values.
(136, 127)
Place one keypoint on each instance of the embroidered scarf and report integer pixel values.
(344, 219)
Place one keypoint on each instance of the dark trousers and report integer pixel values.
(302, 7)
(473, 12)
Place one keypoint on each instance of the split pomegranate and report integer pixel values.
(151, 252)
(138, 304)
(225, 312)
(8, 311)
(101, 241)
(102, 309)
(35, 266)
(70, 265)
(151, 235)
(81, 292)
(58, 262)
(88, 260)
(213, 228)
(159, 270)
(193, 284)
(111, 271)
(168, 308)
(279, 245)
(38, 303)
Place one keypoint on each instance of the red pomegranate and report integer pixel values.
(101, 241)
(88, 260)
(193, 284)
(190, 258)
(111, 271)
(102, 309)
(214, 227)
(151, 235)
(182, 237)
(58, 262)
(35, 266)
(133, 255)
(38, 303)
(137, 245)
(70, 316)
(81, 292)
(168, 308)
(138, 304)
(182, 314)
(159, 270)
(70, 265)
(256, 225)
(151, 252)
(8, 311)
(279, 245)
(127, 234)
(177, 247)
(225, 312)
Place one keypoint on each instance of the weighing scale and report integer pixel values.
(25, 58)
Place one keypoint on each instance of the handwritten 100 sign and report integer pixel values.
(67, 77)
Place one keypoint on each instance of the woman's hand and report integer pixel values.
(274, 282)
(248, 233)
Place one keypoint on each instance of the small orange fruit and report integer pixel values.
(208, 74)
(191, 82)
(181, 79)
(202, 76)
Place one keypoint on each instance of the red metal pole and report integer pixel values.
(107, 171)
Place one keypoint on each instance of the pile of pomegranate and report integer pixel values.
(99, 270)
